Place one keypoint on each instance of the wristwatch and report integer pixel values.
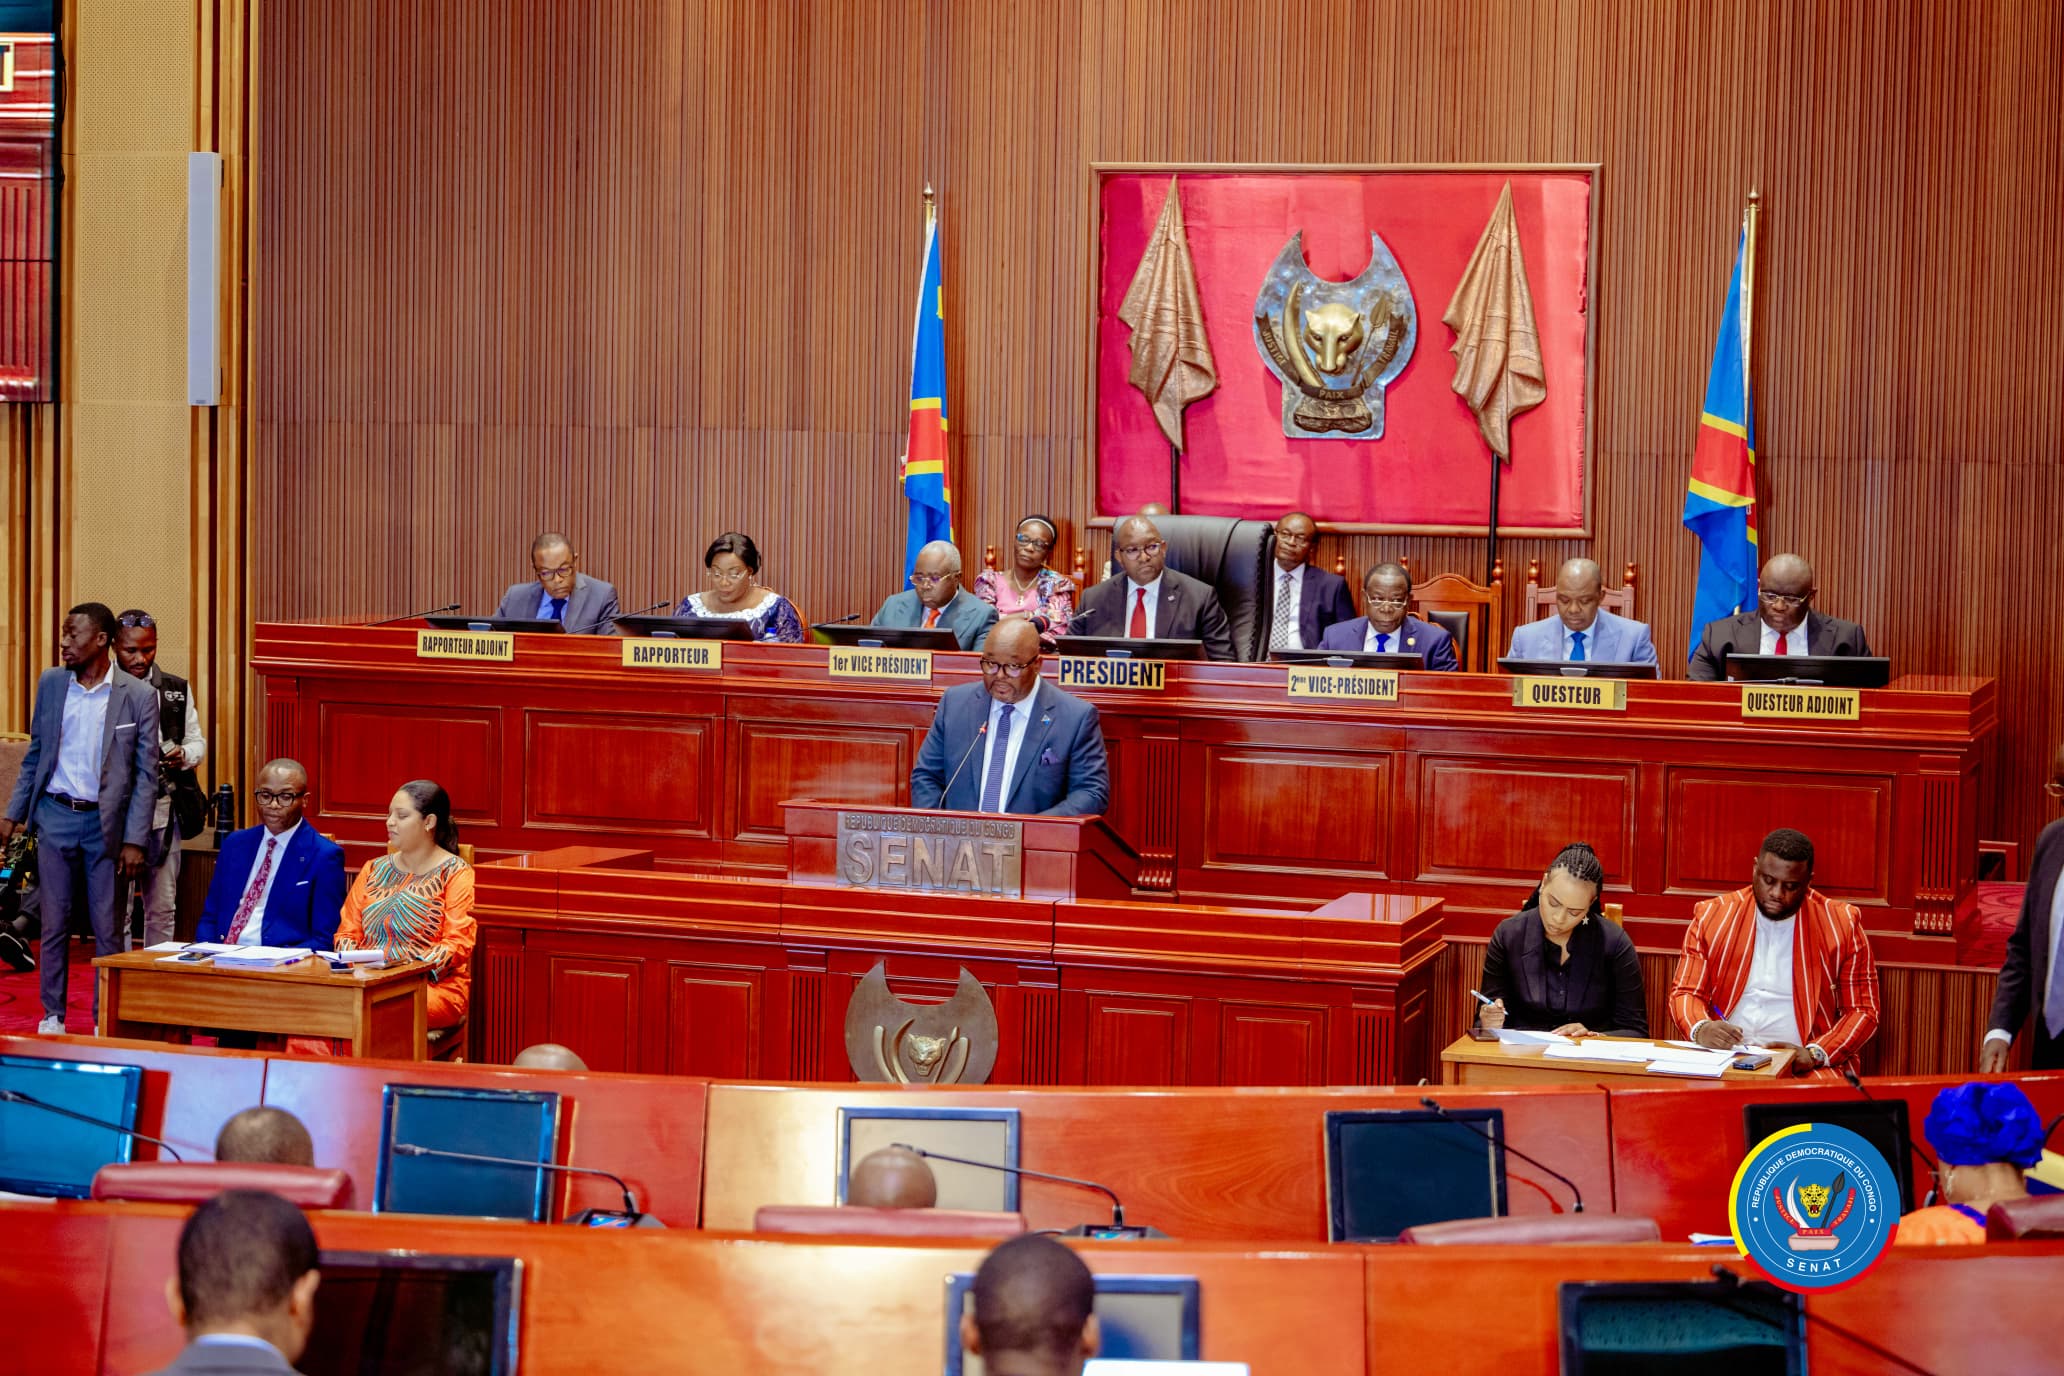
(1820, 1058)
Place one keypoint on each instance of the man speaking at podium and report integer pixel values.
(1012, 743)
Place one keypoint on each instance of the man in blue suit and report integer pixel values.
(1387, 629)
(937, 601)
(278, 883)
(1581, 629)
(1044, 749)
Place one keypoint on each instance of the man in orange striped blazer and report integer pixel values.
(1778, 965)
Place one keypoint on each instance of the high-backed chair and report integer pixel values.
(822, 1220)
(1531, 1230)
(1231, 555)
(2037, 1216)
(1470, 612)
(191, 1182)
(1540, 600)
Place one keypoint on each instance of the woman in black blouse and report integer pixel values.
(1559, 966)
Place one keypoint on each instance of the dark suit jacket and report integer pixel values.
(1432, 643)
(1061, 769)
(1324, 601)
(307, 893)
(128, 755)
(1188, 610)
(212, 1359)
(2024, 975)
(967, 616)
(1602, 980)
(1742, 634)
(591, 608)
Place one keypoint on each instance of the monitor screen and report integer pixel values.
(406, 1314)
(1880, 1122)
(521, 1125)
(979, 1134)
(47, 1153)
(1702, 1328)
(1139, 1318)
(1389, 1170)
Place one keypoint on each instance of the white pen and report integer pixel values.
(1478, 996)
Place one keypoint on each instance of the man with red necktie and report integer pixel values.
(1783, 623)
(1153, 601)
(279, 883)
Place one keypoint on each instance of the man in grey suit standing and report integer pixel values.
(937, 601)
(1581, 629)
(560, 591)
(245, 1293)
(88, 787)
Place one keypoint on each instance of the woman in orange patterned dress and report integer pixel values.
(416, 902)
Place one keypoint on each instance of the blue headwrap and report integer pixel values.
(1982, 1122)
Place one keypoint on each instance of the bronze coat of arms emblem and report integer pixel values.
(1335, 345)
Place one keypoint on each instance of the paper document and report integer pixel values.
(1701, 1070)
(211, 947)
(260, 955)
(1512, 1036)
(376, 956)
(1599, 1049)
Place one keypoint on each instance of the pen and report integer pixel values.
(1478, 996)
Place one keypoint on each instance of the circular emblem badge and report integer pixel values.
(1814, 1206)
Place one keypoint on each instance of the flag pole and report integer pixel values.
(1490, 558)
(1748, 281)
(931, 210)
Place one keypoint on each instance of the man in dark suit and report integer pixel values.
(279, 883)
(1152, 601)
(560, 591)
(936, 600)
(1307, 599)
(1045, 747)
(1387, 629)
(182, 747)
(245, 1292)
(2028, 977)
(88, 787)
(1784, 623)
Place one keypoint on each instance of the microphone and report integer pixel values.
(982, 731)
(1117, 1230)
(15, 1096)
(840, 621)
(587, 1218)
(664, 601)
(1732, 1282)
(1080, 615)
(1934, 1170)
(1464, 1122)
(428, 611)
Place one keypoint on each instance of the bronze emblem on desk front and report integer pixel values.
(889, 1041)
(1335, 345)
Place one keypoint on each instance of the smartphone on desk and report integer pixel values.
(193, 957)
(1751, 1060)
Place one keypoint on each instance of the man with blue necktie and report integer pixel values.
(560, 591)
(1581, 629)
(1387, 629)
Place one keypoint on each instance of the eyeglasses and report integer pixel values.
(1135, 551)
(1390, 601)
(2055, 788)
(1784, 599)
(270, 798)
(559, 572)
(997, 666)
(931, 580)
(729, 576)
(1040, 541)
(137, 621)
(1291, 537)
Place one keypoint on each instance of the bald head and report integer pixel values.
(1154, 509)
(935, 574)
(266, 1136)
(1785, 592)
(1578, 589)
(1141, 550)
(281, 794)
(1032, 1300)
(547, 1056)
(892, 1178)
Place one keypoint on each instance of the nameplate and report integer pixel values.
(977, 855)
(1581, 694)
(495, 645)
(1356, 685)
(914, 666)
(673, 654)
(1091, 671)
(1801, 704)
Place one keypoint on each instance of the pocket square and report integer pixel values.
(125, 726)
(1047, 757)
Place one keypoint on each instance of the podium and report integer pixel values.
(957, 854)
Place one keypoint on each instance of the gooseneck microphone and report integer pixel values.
(427, 611)
(15, 1096)
(842, 620)
(1934, 1170)
(631, 1216)
(962, 765)
(1119, 1229)
(596, 624)
(1448, 1117)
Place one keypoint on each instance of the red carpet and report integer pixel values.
(21, 1006)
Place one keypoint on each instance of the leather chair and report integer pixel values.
(192, 1182)
(1233, 556)
(835, 1221)
(2037, 1216)
(1539, 601)
(1534, 1230)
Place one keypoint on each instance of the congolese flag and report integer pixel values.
(1720, 504)
(922, 469)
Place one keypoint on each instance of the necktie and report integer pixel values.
(1279, 638)
(558, 612)
(931, 620)
(2053, 991)
(1576, 645)
(251, 895)
(1138, 629)
(1383, 642)
(999, 750)
(1781, 636)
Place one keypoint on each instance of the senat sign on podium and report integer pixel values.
(979, 855)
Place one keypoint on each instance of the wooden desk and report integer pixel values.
(380, 1012)
(1467, 1061)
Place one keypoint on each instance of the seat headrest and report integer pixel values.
(1532, 1230)
(192, 1182)
(825, 1220)
(2039, 1215)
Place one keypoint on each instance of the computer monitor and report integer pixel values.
(530, 625)
(888, 637)
(521, 1125)
(1583, 668)
(1685, 1327)
(1832, 671)
(1349, 659)
(686, 627)
(1125, 647)
(46, 1153)
(1392, 1169)
(416, 1315)
(979, 1134)
(1140, 1318)
(1880, 1122)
